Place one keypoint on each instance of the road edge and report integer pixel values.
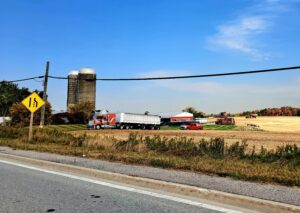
(181, 189)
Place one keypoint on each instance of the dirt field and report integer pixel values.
(269, 140)
(277, 124)
(271, 123)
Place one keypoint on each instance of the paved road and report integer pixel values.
(290, 195)
(26, 190)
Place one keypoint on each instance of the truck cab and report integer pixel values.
(102, 121)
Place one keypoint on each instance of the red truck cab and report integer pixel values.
(192, 126)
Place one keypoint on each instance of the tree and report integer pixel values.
(10, 94)
(84, 107)
(20, 115)
(196, 113)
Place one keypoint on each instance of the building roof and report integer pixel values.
(176, 114)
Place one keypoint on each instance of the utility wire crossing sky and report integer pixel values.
(171, 77)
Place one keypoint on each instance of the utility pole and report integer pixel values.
(45, 95)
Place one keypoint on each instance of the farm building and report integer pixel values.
(176, 117)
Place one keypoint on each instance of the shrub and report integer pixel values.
(129, 144)
(20, 115)
(237, 150)
(70, 118)
(217, 147)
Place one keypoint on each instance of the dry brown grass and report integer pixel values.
(270, 140)
(211, 156)
(272, 123)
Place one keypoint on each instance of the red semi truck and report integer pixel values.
(102, 120)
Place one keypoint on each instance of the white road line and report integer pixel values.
(125, 188)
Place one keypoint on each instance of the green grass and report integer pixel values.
(206, 127)
(170, 128)
(67, 127)
(219, 127)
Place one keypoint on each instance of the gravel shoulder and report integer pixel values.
(289, 195)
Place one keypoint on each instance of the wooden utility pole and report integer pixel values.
(45, 94)
(30, 127)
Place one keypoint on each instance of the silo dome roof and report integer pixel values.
(73, 72)
(87, 71)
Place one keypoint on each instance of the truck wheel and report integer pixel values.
(152, 127)
(157, 127)
(127, 127)
(98, 127)
(121, 127)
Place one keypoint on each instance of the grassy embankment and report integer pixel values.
(74, 127)
(67, 127)
(217, 127)
(206, 127)
(213, 156)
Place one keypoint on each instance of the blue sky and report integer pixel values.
(132, 38)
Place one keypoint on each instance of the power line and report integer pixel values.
(171, 77)
(191, 76)
(200, 76)
(26, 79)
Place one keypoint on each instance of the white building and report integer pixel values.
(177, 117)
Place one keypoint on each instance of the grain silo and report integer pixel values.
(87, 85)
(72, 98)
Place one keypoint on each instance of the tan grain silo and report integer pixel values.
(72, 97)
(87, 85)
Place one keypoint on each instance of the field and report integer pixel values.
(269, 140)
(274, 124)
(272, 131)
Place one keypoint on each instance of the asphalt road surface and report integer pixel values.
(26, 190)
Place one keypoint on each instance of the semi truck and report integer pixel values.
(122, 120)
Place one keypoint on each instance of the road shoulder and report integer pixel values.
(282, 194)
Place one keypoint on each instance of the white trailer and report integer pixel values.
(133, 120)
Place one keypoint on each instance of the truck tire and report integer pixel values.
(122, 127)
(152, 127)
(127, 127)
(98, 127)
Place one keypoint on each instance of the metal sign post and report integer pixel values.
(33, 102)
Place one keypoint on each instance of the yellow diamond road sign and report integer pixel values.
(33, 102)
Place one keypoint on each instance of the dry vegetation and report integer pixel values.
(210, 156)
(269, 140)
(273, 123)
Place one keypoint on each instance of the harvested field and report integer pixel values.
(272, 123)
(269, 140)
